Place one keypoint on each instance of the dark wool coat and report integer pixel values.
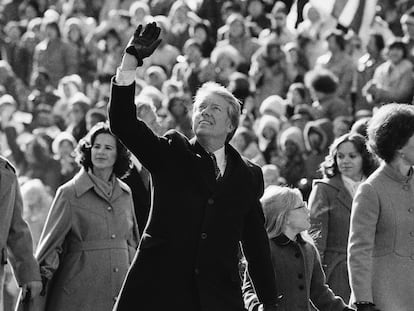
(188, 255)
(330, 204)
(302, 281)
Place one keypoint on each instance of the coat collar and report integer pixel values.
(343, 194)
(396, 175)
(283, 240)
(83, 183)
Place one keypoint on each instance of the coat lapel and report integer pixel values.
(343, 195)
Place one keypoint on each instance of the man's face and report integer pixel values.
(211, 117)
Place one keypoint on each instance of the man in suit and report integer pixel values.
(16, 245)
(205, 202)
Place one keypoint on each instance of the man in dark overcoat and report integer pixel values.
(205, 202)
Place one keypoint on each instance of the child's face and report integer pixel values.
(298, 217)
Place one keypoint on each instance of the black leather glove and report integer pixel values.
(142, 45)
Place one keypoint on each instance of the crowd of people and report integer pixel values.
(310, 105)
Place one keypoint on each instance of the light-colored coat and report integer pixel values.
(86, 246)
(381, 241)
(330, 204)
(15, 238)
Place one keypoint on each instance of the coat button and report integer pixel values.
(196, 271)
(113, 236)
(109, 208)
(297, 255)
(410, 210)
(406, 187)
(412, 233)
(300, 276)
(412, 257)
(204, 235)
(210, 201)
(115, 298)
(116, 269)
(301, 287)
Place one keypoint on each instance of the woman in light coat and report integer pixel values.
(330, 201)
(90, 235)
(381, 239)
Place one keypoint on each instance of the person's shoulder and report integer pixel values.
(6, 166)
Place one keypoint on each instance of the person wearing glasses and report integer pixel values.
(346, 166)
(296, 262)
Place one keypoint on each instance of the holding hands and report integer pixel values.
(142, 45)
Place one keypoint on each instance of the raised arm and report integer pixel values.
(134, 133)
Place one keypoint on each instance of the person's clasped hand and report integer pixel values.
(31, 289)
(142, 45)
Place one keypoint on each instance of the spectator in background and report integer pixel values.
(238, 36)
(16, 53)
(393, 79)
(292, 151)
(278, 31)
(407, 24)
(36, 203)
(225, 60)
(297, 63)
(311, 30)
(245, 142)
(179, 17)
(34, 159)
(269, 71)
(323, 86)
(296, 97)
(178, 117)
(63, 148)
(78, 107)
(339, 63)
(380, 248)
(348, 164)
(140, 13)
(318, 137)
(342, 125)
(367, 65)
(257, 19)
(74, 35)
(54, 54)
(202, 32)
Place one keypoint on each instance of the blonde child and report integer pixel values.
(300, 278)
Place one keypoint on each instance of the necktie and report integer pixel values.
(216, 168)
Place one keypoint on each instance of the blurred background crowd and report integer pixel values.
(303, 79)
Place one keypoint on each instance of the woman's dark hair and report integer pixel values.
(322, 80)
(123, 162)
(329, 167)
(390, 129)
(339, 37)
(399, 44)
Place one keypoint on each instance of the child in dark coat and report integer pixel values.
(296, 262)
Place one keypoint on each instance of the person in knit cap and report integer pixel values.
(293, 254)
(268, 129)
(318, 137)
(292, 147)
(245, 142)
(323, 85)
(274, 105)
